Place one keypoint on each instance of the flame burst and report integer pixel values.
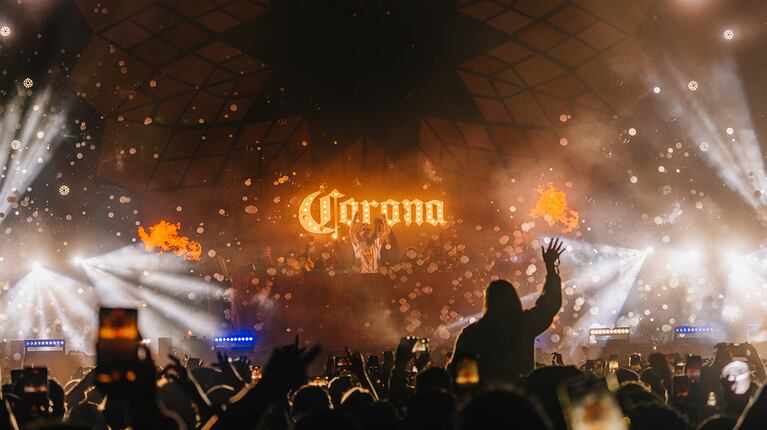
(165, 235)
(552, 206)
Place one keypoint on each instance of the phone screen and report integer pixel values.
(117, 348)
(612, 363)
(679, 367)
(681, 385)
(255, 373)
(118, 323)
(589, 404)
(342, 364)
(34, 389)
(421, 345)
(35, 380)
(692, 367)
(467, 371)
(597, 367)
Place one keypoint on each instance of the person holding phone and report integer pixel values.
(503, 339)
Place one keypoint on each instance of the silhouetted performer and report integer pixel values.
(502, 340)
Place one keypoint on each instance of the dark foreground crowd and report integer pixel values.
(490, 381)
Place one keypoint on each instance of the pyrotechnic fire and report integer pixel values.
(165, 235)
(552, 206)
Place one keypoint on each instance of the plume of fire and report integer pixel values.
(166, 236)
(552, 206)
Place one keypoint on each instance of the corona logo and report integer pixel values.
(334, 210)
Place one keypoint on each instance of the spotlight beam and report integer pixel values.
(21, 166)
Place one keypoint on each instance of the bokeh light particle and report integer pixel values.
(63, 190)
(729, 34)
(5, 31)
(692, 85)
(27, 83)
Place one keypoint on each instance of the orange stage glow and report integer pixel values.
(165, 235)
(552, 206)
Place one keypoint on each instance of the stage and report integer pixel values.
(368, 311)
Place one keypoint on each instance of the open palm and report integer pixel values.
(552, 253)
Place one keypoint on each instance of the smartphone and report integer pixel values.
(117, 348)
(467, 371)
(681, 386)
(635, 362)
(679, 365)
(342, 365)
(373, 362)
(739, 352)
(595, 366)
(612, 363)
(588, 403)
(34, 389)
(421, 345)
(692, 367)
(255, 373)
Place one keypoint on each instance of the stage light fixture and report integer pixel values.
(244, 342)
(44, 345)
(692, 330)
(611, 333)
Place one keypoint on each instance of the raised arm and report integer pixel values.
(550, 300)
(383, 234)
(354, 229)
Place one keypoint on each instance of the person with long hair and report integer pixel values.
(502, 341)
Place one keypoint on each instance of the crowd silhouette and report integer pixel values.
(490, 381)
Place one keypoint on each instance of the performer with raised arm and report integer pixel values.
(367, 242)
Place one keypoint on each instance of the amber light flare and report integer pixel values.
(165, 236)
(552, 206)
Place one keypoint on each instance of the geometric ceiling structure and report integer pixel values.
(556, 75)
(208, 94)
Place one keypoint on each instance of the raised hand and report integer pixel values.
(552, 253)
(287, 367)
(422, 360)
(357, 362)
(193, 363)
(228, 370)
(358, 369)
(243, 368)
(176, 371)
